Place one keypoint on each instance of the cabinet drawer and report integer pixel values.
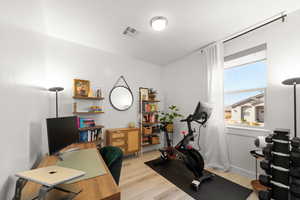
(117, 135)
(118, 142)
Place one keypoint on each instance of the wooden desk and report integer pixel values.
(99, 188)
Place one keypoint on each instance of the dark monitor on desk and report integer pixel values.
(62, 132)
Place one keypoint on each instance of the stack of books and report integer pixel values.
(150, 107)
(85, 122)
(90, 135)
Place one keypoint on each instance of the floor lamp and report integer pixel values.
(56, 90)
(294, 82)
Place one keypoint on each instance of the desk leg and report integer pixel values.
(19, 186)
(43, 192)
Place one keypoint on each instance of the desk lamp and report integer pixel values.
(56, 90)
(294, 82)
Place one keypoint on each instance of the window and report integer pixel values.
(245, 81)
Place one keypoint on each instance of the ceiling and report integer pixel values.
(192, 23)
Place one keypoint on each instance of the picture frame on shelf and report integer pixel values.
(144, 94)
(81, 88)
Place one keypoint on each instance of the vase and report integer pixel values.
(170, 128)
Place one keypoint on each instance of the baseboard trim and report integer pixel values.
(242, 171)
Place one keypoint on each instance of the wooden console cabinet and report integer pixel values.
(128, 139)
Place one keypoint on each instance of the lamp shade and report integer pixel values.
(291, 81)
(56, 89)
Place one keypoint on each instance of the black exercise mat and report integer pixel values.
(216, 189)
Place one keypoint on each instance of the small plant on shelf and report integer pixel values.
(167, 118)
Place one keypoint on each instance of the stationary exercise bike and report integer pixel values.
(185, 152)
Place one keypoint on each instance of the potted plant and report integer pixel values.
(167, 118)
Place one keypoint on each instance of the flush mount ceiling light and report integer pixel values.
(159, 23)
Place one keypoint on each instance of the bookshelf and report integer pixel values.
(93, 133)
(149, 124)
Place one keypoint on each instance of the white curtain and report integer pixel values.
(214, 138)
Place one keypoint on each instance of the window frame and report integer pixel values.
(255, 57)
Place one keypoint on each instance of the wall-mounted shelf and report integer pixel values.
(150, 101)
(91, 128)
(146, 145)
(150, 123)
(87, 113)
(88, 98)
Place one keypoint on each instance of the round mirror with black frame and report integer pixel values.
(120, 96)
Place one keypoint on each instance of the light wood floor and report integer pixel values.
(139, 182)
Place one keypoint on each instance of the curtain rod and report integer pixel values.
(282, 17)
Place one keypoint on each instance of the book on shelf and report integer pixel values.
(150, 118)
(85, 122)
(150, 107)
(88, 136)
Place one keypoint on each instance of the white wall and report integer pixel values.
(67, 61)
(31, 62)
(283, 47)
(23, 101)
(183, 84)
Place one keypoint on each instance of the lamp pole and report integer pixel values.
(56, 90)
(295, 108)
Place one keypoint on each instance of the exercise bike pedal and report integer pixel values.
(196, 183)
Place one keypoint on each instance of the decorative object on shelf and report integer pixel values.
(131, 125)
(98, 93)
(167, 118)
(56, 90)
(155, 139)
(294, 82)
(95, 109)
(120, 96)
(81, 88)
(144, 94)
(83, 91)
(147, 130)
(152, 94)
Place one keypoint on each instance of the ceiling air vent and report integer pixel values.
(129, 31)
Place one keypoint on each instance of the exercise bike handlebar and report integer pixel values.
(187, 119)
(202, 120)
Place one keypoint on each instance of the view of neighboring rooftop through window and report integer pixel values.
(244, 93)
